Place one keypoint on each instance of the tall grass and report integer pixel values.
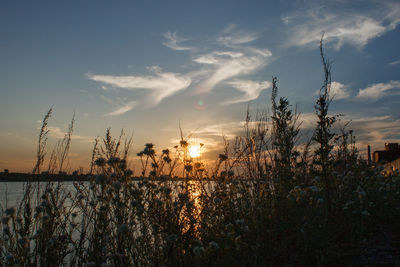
(268, 201)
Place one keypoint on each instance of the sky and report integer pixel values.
(149, 66)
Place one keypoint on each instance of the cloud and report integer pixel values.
(368, 130)
(122, 109)
(57, 133)
(375, 130)
(251, 90)
(355, 28)
(235, 58)
(377, 90)
(337, 91)
(231, 41)
(231, 37)
(394, 63)
(172, 41)
(162, 84)
(229, 64)
(227, 129)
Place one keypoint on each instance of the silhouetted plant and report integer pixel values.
(323, 135)
(284, 136)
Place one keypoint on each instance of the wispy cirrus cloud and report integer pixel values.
(355, 28)
(57, 133)
(161, 84)
(377, 90)
(229, 64)
(235, 58)
(394, 62)
(232, 38)
(122, 109)
(251, 90)
(172, 41)
(232, 59)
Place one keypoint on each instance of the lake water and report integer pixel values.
(12, 192)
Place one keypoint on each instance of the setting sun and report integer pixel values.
(194, 151)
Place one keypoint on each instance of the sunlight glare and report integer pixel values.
(194, 151)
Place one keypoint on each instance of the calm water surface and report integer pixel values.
(12, 192)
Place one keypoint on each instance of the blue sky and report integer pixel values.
(145, 66)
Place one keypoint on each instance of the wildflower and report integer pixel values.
(148, 151)
(213, 246)
(149, 145)
(100, 178)
(113, 160)
(157, 202)
(172, 238)
(23, 242)
(222, 157)
(167, 159)
(314, 188)
(163, 178)
(189, 204)
(10, 211)
(5, 219)
(128, 172)
(188, 168)
(229, 226)
(6, 230)
(44, 203)
(100, 162)
(238, 239)
(154, 165)
(184, 143)
(122, 164)
(39, 209)
(365, 213)
(361, 192)
(167, 190)
(46, 218)
(197, 242)
(134, 203)
(217, 201)
(116, 185)
(183, 197)
(123, 229)
(239, 221)
(198, 251)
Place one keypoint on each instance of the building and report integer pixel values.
(391, 153)
(389, 158)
